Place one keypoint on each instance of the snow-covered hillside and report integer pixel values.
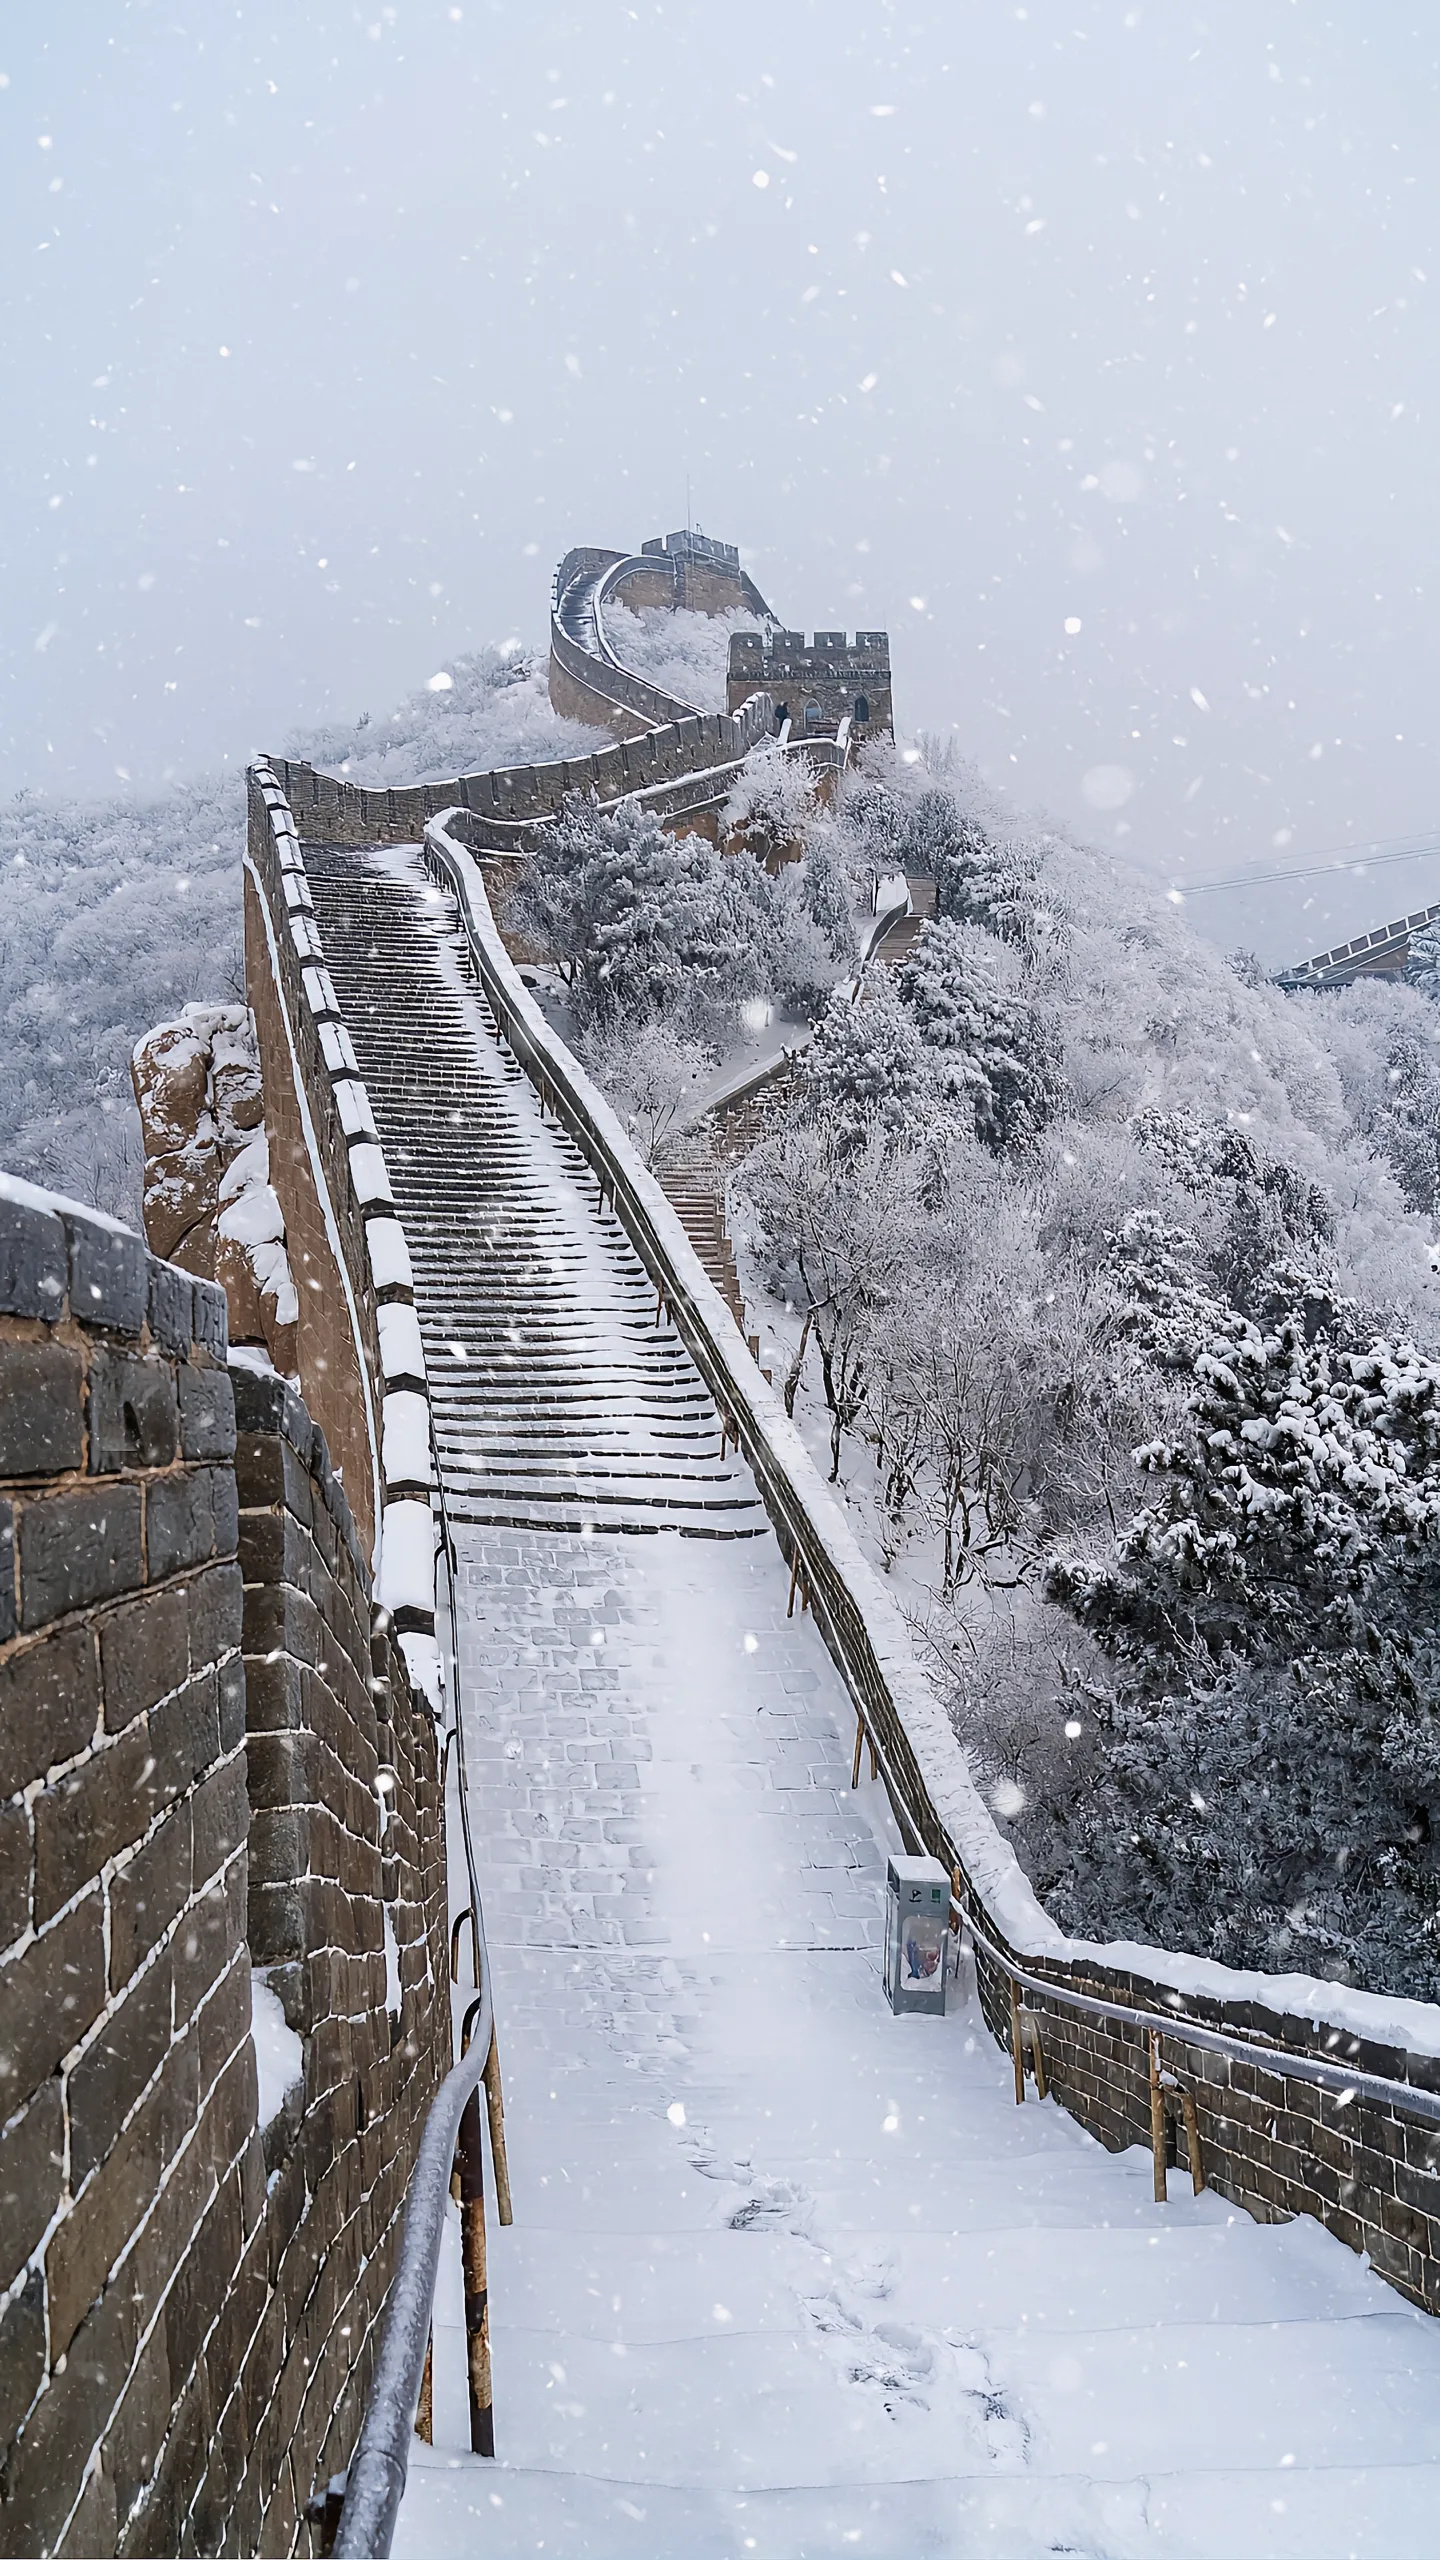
(686, 654)
(119, 912)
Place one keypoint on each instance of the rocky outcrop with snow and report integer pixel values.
(209, 1205)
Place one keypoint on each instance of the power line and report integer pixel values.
(1370, 857)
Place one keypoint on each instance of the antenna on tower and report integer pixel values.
(689, 526)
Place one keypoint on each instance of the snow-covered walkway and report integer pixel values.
(791, 2277)
(786, 2276)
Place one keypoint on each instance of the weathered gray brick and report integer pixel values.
(121, 2062)
(32, 2165)
(134, 1415)
(15, 1865)
(34, 1262)
(22, 2353)
(172, 1307)
(211, 1318)
(207, 1413)
(76, 1548)
(190, 1516)
(109, 1276)
(146, 1895)
(49, 1995)
(42, 1412)
(216, 1600)
(49, 1705)
(90, 1816)
(144, 1654)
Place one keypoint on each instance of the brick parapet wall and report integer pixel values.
(125, 2059)
(338, 1354)
(186, 2303)
(506, 804)
(1276, 2144)
(347, 1827)
(361, 1358)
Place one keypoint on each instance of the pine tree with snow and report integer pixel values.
(982, 883)
(866, 1068)
(1300, 1491)
(631, 913)
(998, 1052)
(1422, 966)
(771, 801)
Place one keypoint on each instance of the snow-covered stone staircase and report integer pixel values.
(693, 1182)
(787, 2276)
(559, 1401)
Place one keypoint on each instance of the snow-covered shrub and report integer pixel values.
(486, 709)
(630, 913)
(812, 930)
(837, 1217)
(1422, 967)
(1280, 1816)
(1385, 1040)
(1289, 1507)
(899, 818)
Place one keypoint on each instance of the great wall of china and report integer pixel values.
(244, 1642)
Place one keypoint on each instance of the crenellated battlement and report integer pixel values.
(819, 683)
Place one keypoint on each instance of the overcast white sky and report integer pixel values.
(327, 330)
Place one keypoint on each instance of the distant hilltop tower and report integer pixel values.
(818, 689)
(815, 688)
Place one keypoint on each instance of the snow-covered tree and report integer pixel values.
(629, 912)
(771, 802)
(813, 940)
(1422, 967)
(653, 1074)
(866, 1069)
(1296, 1496)
(487, 708)
(1279, 1814)
(836, 1227)
(685, 654)
(998, 1051)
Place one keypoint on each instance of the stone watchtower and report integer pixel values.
(815, 688)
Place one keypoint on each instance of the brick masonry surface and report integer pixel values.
(187, 2300)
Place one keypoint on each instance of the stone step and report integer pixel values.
(572, 1408)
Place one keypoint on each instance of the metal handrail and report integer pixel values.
(375, 2480)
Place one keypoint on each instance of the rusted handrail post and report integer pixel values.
(495, 2109)
(471, 2156)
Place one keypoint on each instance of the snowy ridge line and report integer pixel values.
(1276, 2018)
(366, 1237)
(676, 759)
